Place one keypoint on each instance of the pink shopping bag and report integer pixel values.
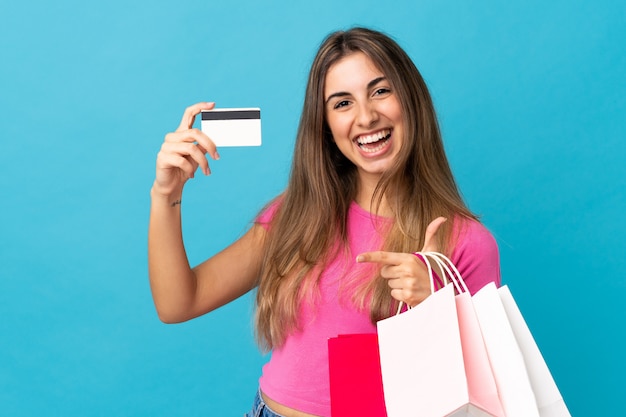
(356, 387)
(482, 388)
(481, 384)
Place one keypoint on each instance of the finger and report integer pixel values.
(173, 160)
(197, 136)
(189, 116)
(409, 297)
(402, 270)
(189, 135)
(398, 294)
(192, 151)
(395, 283)
(381, 257)
(429, 238)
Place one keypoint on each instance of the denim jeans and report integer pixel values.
(260, 409)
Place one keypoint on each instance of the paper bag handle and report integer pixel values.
(449, 270)
(445, 263)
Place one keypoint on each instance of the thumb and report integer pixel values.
(430, 245)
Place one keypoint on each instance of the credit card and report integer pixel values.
(233, 127)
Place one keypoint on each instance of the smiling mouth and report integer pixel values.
(375, 142)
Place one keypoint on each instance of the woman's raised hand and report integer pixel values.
(182, 152)
(405, 273)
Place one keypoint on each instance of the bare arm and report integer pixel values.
(180, 292)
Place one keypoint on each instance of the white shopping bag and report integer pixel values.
(549, 399)
(507, 362)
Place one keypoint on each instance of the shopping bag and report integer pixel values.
(507, 362)
(481, 384)
(356, 387)
(549, 400)
(422, 364)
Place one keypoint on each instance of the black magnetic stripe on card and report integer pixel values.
(231, 115)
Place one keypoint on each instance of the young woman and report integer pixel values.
(370, 184)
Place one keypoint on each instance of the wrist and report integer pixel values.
(161, 197)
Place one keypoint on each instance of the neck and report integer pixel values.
(366, 186)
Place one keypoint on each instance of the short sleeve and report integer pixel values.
(267, 214)
(476, 255)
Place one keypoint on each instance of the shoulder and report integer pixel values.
(471, 235)
(475, 253)
(266, 215)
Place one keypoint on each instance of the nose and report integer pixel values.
(367, 115)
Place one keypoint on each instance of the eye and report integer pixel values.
(341, 104)
(382, 91)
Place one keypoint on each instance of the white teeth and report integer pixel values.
(376, 149)
(364, 140)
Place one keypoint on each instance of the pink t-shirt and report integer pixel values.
(297, 374)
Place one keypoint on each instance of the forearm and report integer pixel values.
(172, 281)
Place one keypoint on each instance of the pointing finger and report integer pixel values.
(381, 257)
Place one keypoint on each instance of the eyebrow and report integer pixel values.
(343, 93)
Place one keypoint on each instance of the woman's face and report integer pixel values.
(364, 114)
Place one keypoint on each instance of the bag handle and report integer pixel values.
(444, 262)
(448, 269)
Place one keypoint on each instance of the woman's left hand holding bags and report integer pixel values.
(405, 273)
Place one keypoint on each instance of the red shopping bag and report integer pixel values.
(356, 386)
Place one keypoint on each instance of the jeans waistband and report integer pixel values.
(260, 409)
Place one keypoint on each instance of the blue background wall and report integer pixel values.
(531, 98)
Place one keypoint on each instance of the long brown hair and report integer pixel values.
(312, 214)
